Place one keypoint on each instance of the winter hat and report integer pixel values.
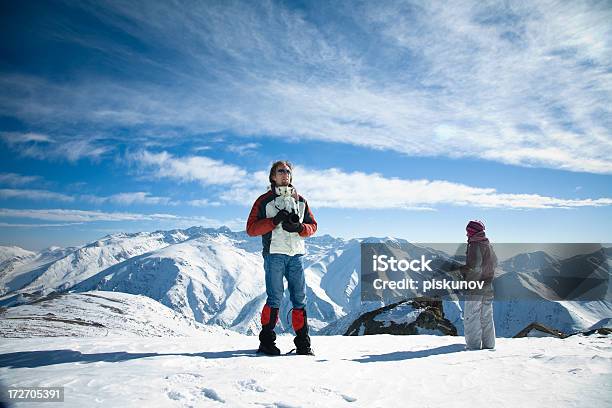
(474, 227)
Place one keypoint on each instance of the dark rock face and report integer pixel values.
(408, 317)
(539, 330)
(604, 331)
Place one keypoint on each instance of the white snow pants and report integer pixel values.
(478, 324)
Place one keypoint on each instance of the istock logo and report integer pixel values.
(383, 263)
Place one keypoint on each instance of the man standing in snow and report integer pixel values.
(481, 262)
(282, 217)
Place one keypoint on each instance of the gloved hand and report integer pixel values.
(293, 227)
(282, 215)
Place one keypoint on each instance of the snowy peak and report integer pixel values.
(20, 266)
(11, 252)
(204, 278)
(209, 279)
(75, 266)
(531, 261)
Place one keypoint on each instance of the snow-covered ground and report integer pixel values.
(369, 371)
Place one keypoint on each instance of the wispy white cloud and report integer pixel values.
(78, 215)
(41, 146)
(338, 189)
(522, 83)
(123, 199)
(334, 188)
(139, 198)
(14, 179)
(9, 193)
(202, 169)
(10, 225)
(19, 138)
(204, 202)
(130, 198)
(71, 217)
(243, 149)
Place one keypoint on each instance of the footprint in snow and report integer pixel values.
(175, 395)
(191, 386)
(212, 395)
(251, 385)
(328, 391)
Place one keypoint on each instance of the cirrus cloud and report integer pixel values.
(202, 169)
(521, 83)
(9, 193)
(15, 179)
(335, 188)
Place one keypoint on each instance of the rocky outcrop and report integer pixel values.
(409, 317)
(536, 329)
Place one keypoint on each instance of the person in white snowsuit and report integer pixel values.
(481, 261)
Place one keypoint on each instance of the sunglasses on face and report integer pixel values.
(283, 171)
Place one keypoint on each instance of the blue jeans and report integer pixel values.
(278, 266)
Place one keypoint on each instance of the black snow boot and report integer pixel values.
(300, 326)
(267, 336)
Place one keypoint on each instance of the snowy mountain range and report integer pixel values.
(215, 277)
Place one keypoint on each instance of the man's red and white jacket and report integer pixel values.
(274, 238)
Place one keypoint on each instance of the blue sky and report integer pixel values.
(403, 119)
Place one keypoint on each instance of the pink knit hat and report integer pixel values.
(474, 227)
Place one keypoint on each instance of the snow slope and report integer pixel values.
(92, 314)
(369, 371)
(19, 267)
(567, 316)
